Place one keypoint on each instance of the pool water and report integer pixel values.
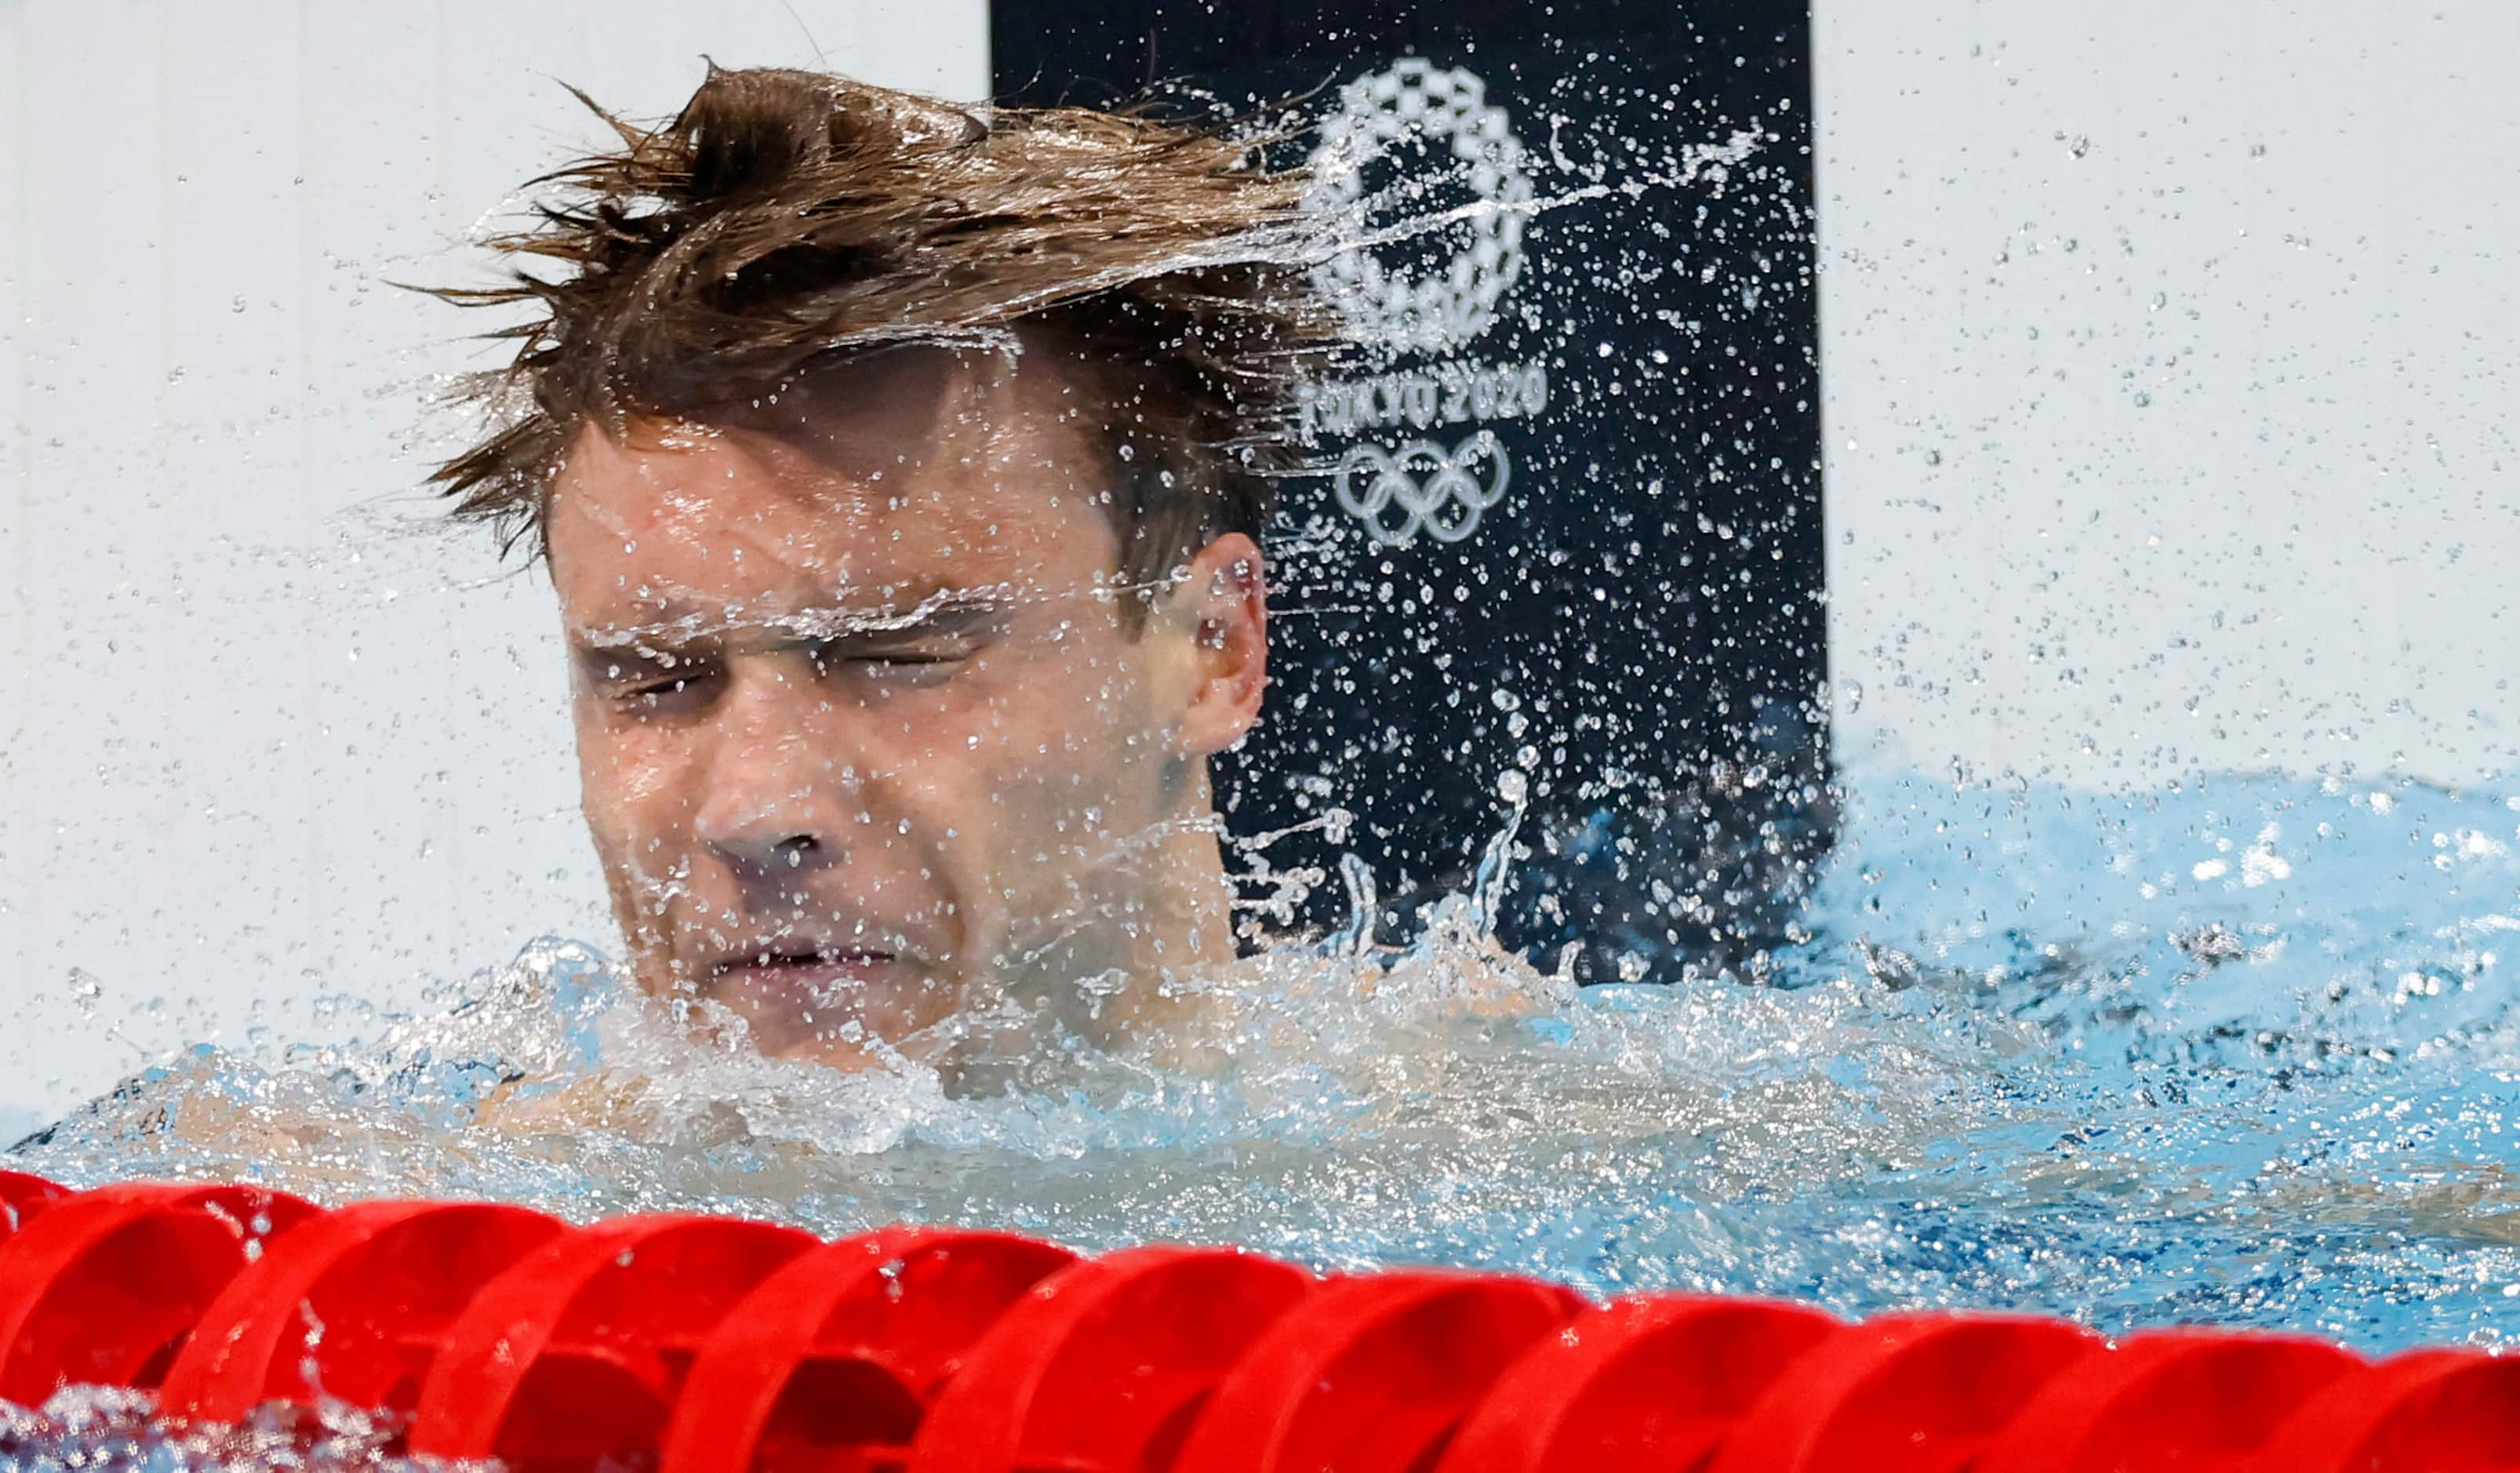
(111, 1430)
(2242, 1052)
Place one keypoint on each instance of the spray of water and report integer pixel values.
(2107, 1077)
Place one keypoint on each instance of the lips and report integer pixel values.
(789, 955)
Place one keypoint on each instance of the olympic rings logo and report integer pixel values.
(1422, 489)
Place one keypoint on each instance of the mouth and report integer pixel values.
(789, 955)
(809, 1001)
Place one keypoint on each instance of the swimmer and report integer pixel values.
(900, 470)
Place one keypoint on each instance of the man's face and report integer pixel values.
(862, 736)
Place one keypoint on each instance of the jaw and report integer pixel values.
(1160, 907)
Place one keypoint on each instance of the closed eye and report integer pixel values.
(905, 669)
(914, 664)
(922, 657)
(658, 694)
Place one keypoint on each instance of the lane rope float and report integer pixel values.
(696, 1344)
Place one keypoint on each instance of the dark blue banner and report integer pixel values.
(1562, 552)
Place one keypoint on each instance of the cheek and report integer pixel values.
(1045, 708)
(1066, 754)
(631, 783)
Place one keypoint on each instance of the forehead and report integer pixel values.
(890, 477)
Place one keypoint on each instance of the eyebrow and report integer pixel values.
(679, 628)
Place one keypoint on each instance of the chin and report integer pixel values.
(832, 1054)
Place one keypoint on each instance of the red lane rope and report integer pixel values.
(103, 1288)
(21, 1197)
(713, 1344)
(354, 1310)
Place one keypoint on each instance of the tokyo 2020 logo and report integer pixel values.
(1403, 140)
(1448, 108)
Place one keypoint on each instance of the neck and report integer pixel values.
(1188, 920)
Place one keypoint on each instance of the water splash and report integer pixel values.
(93, 1429)
(2038, 1052)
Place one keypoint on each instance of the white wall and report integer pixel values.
(266, 733)
(2170, 354)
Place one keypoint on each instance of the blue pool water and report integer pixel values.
(2241, 1052)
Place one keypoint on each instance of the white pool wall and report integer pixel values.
(2171, 354)
(238, 769)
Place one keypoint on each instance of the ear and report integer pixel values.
(1223, 597)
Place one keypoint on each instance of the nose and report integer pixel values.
(778, 787)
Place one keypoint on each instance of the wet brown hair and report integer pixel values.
(784, 217)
